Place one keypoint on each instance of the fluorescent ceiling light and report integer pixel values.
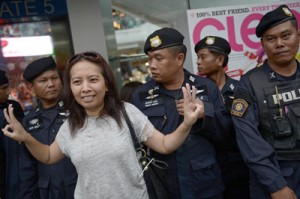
(26, 46)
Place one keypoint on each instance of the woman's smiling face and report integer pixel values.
(88, 86)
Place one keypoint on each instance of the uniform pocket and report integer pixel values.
(43, 183)
(294, 116)
(157, 116)
(204, 173)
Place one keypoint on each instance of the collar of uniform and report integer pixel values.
(189, 77)
(273, 76)
(58, 106)
(230, 84)
(38, 109)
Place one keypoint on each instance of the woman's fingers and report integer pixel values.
(7, 130)
(6, 115)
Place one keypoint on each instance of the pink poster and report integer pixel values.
(236, 24)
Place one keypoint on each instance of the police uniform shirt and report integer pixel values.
(159, 105)
(227, 92)
(42, 180)
(252, 145)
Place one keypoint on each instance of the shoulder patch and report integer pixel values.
(239, 107)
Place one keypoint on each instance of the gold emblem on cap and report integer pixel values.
(287, 11)
(155, 41)
(210, 40)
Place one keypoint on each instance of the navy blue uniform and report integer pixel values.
(9, 150)
(272, 165)
(38, 180)
(234, 171)
(193, 167)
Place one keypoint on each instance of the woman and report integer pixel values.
(96, 137)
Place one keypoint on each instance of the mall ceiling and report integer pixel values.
(158, 12)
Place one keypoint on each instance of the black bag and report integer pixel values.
(154, 171)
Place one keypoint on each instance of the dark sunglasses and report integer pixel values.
(92, 56)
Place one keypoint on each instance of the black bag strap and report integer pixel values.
(135, 141)
(138, 147)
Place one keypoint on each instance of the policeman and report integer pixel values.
(212, 55)
(266, 110)
(9, 149)
(194, 172)
(39, 180)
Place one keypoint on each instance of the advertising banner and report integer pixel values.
(236, 24)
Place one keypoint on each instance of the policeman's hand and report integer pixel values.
(191, 108)
(13, 129)
(201, 113)
(284, 193)
(180, 107)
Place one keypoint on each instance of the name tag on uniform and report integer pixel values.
(153, 102)
(34, 123)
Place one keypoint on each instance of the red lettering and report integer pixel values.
(231, 35)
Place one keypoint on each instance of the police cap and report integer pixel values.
(213, 42)
(37, 67)
(3, 78)
(163, 38)
(274, 18)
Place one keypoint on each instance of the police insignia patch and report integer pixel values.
(239, 107)
(210, 40)
(33, 121)
(155, 42)
(287, 11)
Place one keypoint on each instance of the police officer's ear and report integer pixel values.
(220, 60)
(262, 43)
(180, 58)
(30, 86)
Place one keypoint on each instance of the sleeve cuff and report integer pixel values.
(278, 184)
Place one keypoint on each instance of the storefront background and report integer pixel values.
(31, 30)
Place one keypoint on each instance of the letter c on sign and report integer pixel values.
(201, 25)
